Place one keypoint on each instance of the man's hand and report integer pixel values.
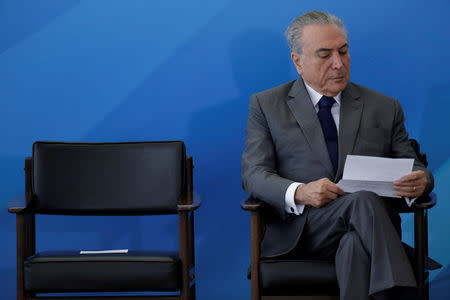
(411, 185)
(317, 193)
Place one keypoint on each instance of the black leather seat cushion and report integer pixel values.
(298, 277)
(69, 271)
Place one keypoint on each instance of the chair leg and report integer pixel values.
(427, 282)
(419, 246)
(183, 232)
(192, 292)
(20, 244)
(255, 224)
(191, 247)
(186, 245)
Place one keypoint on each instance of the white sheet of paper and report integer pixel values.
(104, 251)
(375, 174)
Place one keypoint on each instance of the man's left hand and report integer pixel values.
(411, 185)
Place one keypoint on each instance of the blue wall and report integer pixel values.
(80, 70)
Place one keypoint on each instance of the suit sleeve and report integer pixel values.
(260, 178)
(401, 147)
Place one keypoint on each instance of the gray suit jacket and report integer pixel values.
(285, 144)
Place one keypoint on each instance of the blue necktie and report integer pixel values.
(329, 128)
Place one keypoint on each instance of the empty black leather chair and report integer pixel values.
(316, 279)
(141, 178)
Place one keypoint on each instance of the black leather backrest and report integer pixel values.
(420, 155)
(104, 178)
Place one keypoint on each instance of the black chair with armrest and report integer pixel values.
(137, 178)
(273, 278)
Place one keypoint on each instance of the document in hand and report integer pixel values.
(375, 174)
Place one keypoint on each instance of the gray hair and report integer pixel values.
(295, 29)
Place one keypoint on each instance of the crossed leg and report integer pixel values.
(358, 231)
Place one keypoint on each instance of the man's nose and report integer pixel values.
(337, 61)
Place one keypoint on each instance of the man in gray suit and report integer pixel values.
(298, 137)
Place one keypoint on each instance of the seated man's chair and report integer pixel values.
(142, 178)
(316, 279)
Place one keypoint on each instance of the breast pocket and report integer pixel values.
(373, 141)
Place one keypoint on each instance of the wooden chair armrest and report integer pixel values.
(17, 205)
(251, 204)
(425, 202)
(189, 202)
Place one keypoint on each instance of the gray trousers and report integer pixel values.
(361, 232)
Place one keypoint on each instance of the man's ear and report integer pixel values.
(297, 60)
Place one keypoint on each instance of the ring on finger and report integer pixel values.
(414, 188)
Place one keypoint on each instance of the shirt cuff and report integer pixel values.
(289, 203)
(410, 201)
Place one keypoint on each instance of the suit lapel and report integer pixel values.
(349, 122)
(301, 107)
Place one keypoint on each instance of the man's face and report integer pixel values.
(325, 63)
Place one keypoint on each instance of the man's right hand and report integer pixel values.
(317, 193)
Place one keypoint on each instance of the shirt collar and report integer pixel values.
(316, 96)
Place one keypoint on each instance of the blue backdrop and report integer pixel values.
(80, 70)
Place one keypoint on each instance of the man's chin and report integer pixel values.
(336, 88)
